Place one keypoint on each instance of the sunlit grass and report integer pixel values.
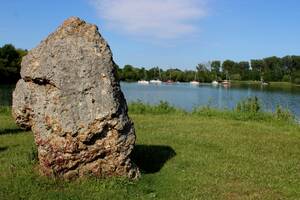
(272, 84)
(208, 154)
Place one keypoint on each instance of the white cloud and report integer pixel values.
(159, 19)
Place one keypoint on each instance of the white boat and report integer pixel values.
(215, 83)
(143, 82)
(155, 81)
(194, 83)
(226, 83)
(169, 82)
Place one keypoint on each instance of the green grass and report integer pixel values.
(279, 85)
(207, 154)
(246, 82)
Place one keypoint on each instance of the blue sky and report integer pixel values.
(165, 33)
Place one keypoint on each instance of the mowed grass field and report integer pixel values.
(182, 156)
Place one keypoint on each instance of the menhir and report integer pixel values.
(70, 98)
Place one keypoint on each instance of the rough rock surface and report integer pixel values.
(70, 98)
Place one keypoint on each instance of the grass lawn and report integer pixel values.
(182, 156)
(277, 85)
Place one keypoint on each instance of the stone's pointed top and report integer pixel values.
(73, 21)
(78, 27)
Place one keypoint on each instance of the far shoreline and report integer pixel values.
(280, 84)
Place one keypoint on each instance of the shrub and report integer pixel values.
(163, 107)
(137, 107)
(297, 81)
(236, 77)
(283, 114)
(296, 77)
(205, 111)
(286, 78)
(232, 114)
(249, 105)
(248, 109)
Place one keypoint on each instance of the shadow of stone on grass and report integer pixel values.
(151, 158)
(3, 148)
(11, 131)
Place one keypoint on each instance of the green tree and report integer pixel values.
(215, 69)
(295, 69)
(130, 73)
(203, 73)
(257, 67)
(10, 63)
(244, 69)
(228, 68)
(274, 69)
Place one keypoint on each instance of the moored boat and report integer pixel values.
(155, 81)
(144, 82)
(226, 83)
(169, 82)
(215, 83)
(194, 83)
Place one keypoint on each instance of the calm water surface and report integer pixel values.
(186, 96)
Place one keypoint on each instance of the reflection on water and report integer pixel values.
(186, 96)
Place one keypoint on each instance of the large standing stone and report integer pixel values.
(69, 96)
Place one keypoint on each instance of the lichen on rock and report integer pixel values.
(68, 95)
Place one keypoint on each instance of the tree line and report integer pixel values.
(268, 69)
(10, 63)
(285, 69)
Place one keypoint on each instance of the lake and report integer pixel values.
(187, 96)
